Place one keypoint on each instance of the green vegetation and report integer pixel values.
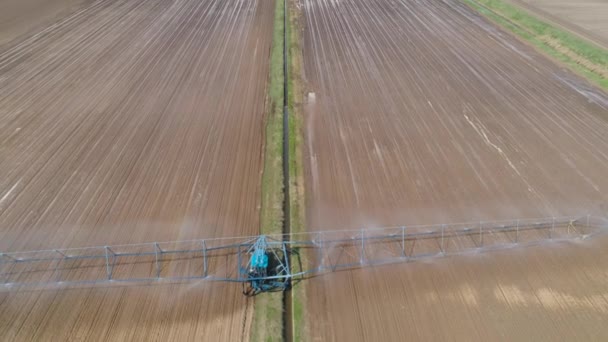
(581, 56)
(268, 318)
(296, 168)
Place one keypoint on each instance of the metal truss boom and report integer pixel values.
(311, 253)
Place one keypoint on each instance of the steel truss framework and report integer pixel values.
(227, 259)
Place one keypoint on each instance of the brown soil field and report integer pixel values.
(19, 18)
(548, 293)
(128, 122)
(587, 18)
(423, 112)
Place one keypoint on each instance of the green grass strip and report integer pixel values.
(296, 162)
(581, 56)
(267, 320)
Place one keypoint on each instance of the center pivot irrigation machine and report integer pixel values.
(268, 268)
(273, 263)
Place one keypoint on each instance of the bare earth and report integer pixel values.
(425, 113)
(22, 17)
(553, 293)
(588, 18)
(133, 121)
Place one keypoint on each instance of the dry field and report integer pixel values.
(423, 112)
(553, 293)
(133, 121)
(19, 18)
(588, 18)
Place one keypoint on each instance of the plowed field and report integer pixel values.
(127, 122)
(423, 112)
(19, 18)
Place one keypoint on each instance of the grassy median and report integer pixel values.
(296, 159)
(581, 56)
(268, 307)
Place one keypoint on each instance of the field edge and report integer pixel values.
(583, 57)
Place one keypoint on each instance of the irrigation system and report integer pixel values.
(274, 262)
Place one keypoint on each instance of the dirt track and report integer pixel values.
(133, 121)
(425, 113)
